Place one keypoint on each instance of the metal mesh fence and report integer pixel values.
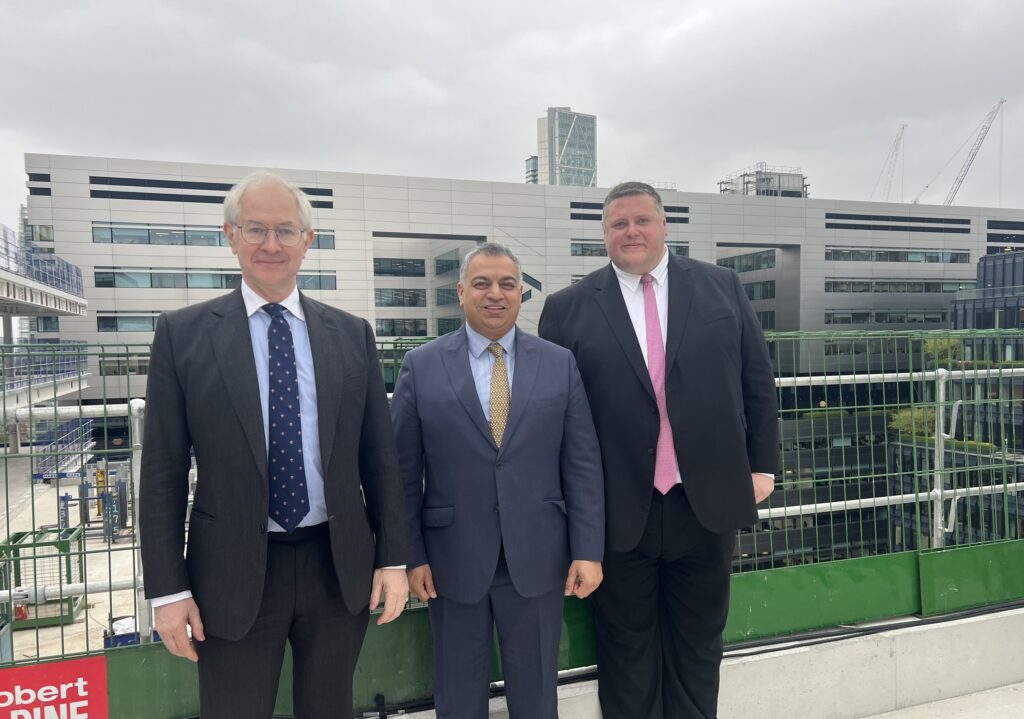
(890, 442)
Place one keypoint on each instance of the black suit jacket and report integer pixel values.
(719, 389)
(203, 395)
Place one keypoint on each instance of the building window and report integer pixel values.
(44, 324)
(113, 367)
(870, 254)
(767, 319)
(398, 267)
(448, 324)
(387, 297)
(118, 322)
(448, 262)
(586, 248)
(764, 260)
(401, 328)
(39, 233)
(126, 233)
(897, 286)
(760, 290)
(890, 317)
(322, 240)
(446, 295)
(679, 248)
(573, 279)
(179, 278)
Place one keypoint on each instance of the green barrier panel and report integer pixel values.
(146, 681)
(965, 577)
(796, 599)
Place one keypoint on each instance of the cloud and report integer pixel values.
(684, 92)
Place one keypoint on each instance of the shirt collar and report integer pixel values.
(478, 344)
(631, 281)
(254, 303)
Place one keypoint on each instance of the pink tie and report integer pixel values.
(665, 467)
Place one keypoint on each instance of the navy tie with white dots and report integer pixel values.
(289, 502)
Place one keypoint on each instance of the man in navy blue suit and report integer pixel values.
(503, 487)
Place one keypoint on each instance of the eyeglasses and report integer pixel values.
(255, 234)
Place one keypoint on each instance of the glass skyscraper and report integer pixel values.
(567, 148)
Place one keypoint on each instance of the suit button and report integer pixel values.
(650, 450)
(496, 509)
(262, 527)
(500, 465)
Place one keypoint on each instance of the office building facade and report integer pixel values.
(147, 236)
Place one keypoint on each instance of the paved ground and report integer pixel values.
(1003, 703)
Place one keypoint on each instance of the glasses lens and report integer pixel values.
(287, 235)
(254, 234)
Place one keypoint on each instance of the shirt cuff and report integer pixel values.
(169, 599)
(396, 566)
(769, 475)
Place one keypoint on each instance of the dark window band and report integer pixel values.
(39, 191)
(586, 216)
(38, 177)
(185, 184)
(1005, 225)
(892, 218)
(169, 197)
(600, 206)
(428, 236)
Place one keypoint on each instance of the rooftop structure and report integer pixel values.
(760, 179)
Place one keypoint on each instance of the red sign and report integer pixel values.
(73, 689)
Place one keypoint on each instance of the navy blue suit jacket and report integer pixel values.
(540, 495)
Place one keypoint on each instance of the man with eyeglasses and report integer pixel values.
(297, 523)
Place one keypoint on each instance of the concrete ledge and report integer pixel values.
(851, 678)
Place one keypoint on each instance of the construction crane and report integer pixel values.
(982, 131)
(889, 167)
(985, 125)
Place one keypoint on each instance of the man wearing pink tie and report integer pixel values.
(683, 398)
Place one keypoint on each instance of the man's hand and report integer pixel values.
(584, 577)
(763, 486)
(173, 620)
(395, 588)
(421, 582)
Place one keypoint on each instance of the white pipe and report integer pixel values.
(39, 594)
(886, 501)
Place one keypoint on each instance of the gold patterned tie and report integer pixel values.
(499, 393)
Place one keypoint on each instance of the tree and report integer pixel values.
(914, 421)
(942, 352)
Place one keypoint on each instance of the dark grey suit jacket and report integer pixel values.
(719, 388)
(539, 494)
(203, 395)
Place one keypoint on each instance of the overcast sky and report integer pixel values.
(684, 92)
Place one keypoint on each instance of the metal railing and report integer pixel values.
(892, 445)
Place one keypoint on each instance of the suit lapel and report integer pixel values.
(609, 299)
(328, 369)
(232, 347)
(680, 300)
(523, 379)
(456, 363)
